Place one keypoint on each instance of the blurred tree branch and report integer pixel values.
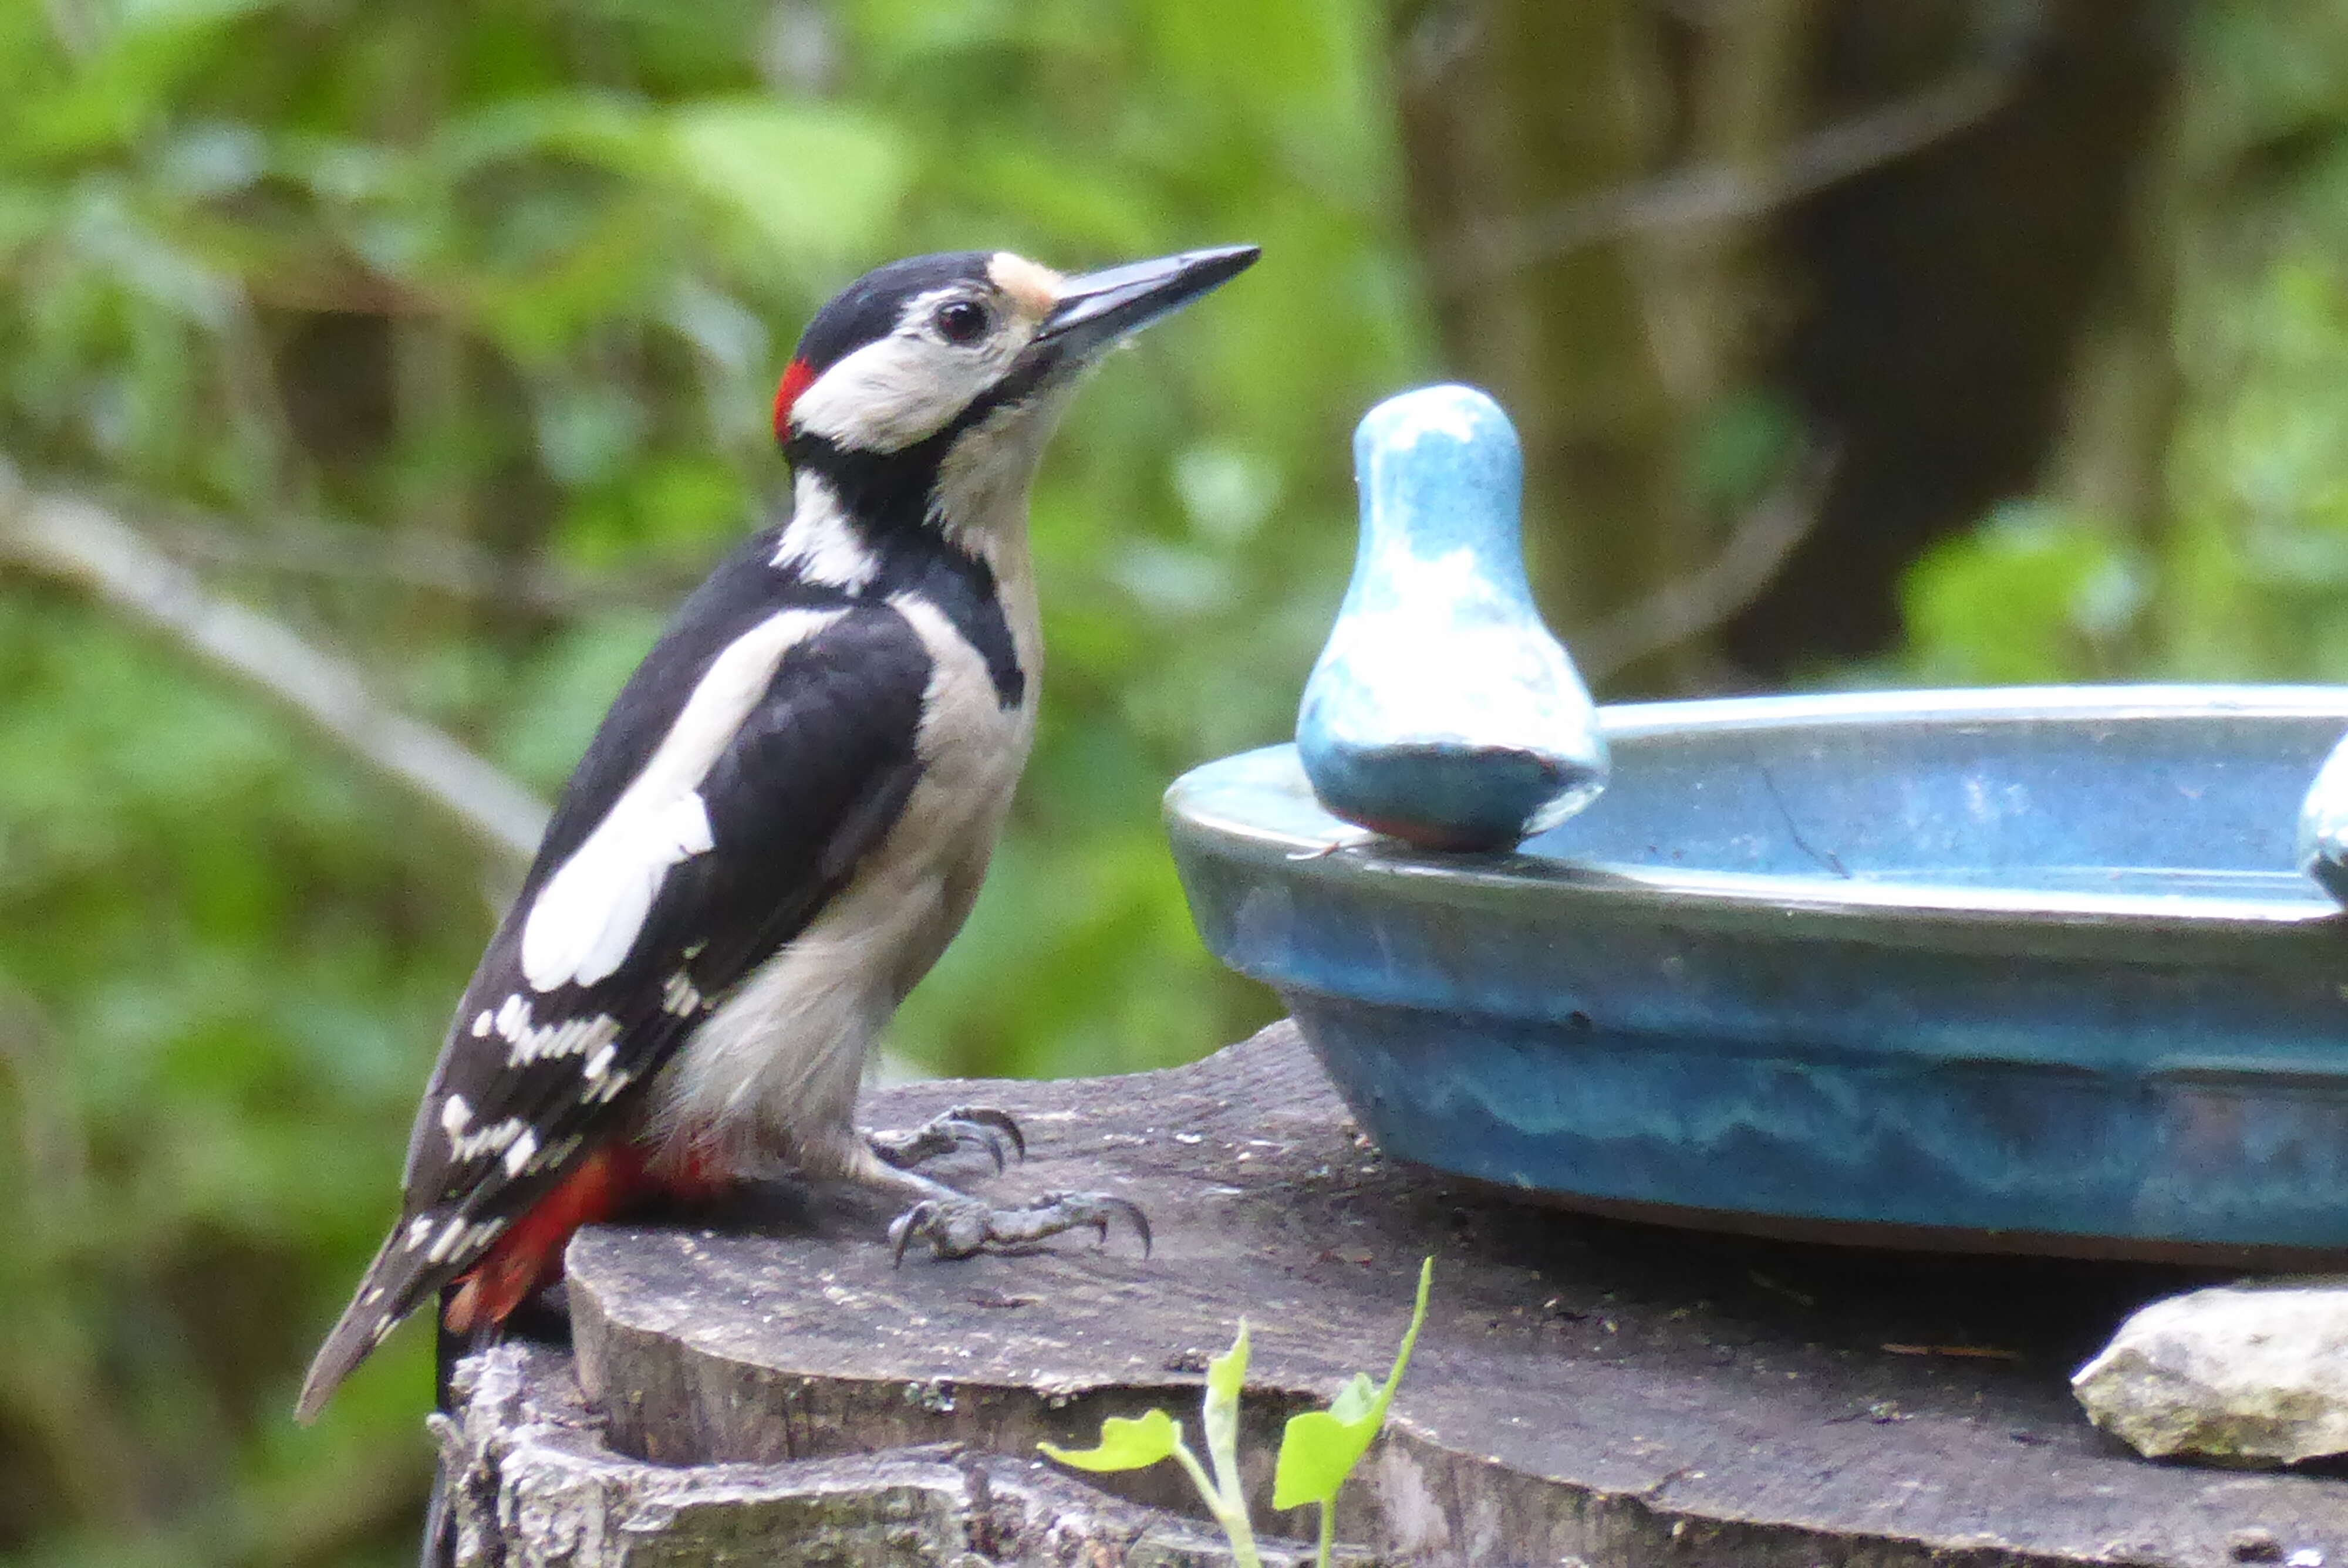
(1729, 192)
(1687, 607)
(431, 563)
(74, 541)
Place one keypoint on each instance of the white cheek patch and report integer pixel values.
(889, 394)
(907, 386)
(588, 915)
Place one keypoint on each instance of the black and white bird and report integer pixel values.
(782, 821)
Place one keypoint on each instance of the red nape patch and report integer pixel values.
(607, 1183)
(795, 377)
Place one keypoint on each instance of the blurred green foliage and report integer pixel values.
(446, 332)
(2243, 573)
(500, 288)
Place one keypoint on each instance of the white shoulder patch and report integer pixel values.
(588, 915)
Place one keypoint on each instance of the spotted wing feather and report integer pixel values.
(529, 1083)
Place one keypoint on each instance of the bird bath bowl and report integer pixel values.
(2021, 970)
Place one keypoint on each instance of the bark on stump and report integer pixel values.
(769, 1388)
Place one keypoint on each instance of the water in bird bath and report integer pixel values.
(2158, 801)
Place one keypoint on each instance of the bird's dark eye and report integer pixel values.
(962, 320)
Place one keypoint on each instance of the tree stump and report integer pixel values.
(1587, 1391)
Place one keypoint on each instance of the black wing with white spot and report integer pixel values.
(759, 753)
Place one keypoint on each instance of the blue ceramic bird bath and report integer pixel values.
(2034, 969)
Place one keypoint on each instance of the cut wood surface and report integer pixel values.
(536, 1486)
(1585, 1389)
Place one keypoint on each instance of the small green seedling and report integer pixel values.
(1317, 1451)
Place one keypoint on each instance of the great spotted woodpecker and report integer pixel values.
(781, 821)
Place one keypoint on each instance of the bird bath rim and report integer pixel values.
(1222, 802)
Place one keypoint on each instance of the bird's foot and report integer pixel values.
(957, 1226)
(963, 1127)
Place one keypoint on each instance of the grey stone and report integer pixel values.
(2241, 1374)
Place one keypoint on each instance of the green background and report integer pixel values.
(445, 335)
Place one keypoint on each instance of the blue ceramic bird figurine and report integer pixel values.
(1442, 711)
(2324, 825)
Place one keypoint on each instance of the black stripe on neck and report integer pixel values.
(886, 493)
(963, 587)
(890, 499)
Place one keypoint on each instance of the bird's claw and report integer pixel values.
(961, 1127)
(962, 1227)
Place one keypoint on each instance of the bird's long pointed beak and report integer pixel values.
(1097, 309)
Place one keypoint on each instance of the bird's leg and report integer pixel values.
(955, 1224)
(959, 1226)
(961, 1127)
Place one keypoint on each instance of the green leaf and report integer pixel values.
(1135, 1444)
(1220, 1415)
(1320, 1448)
(1355, 1400)
(2036, 594)
(1317, 1451)
(820, 183)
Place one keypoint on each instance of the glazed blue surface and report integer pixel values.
(2037, 963)
(2324, 825)
(1442, 710)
